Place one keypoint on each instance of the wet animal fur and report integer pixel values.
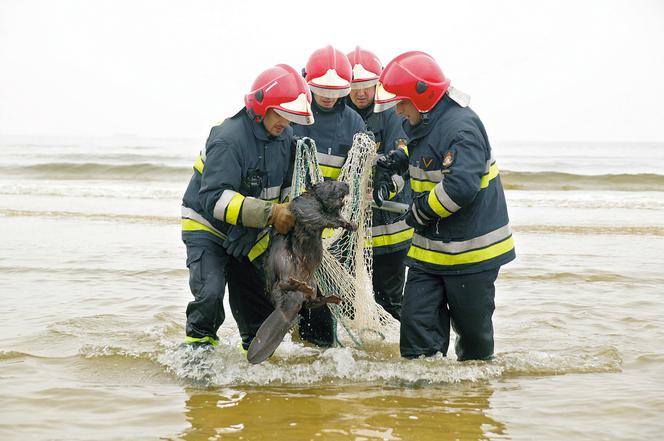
(292, 260)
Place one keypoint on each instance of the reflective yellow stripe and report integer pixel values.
(405, 149)
(474, 256)
(330, 172)
(493, 172)
(328, 232)
(391, 239)
(436, 206)
(259, 247)
(391, 195)
(233, 209)
(199, 164)
(192, 225)
(421, 186)
(208, 339)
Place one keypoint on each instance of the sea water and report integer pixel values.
(93, 289)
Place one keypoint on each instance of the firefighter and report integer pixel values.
(459, 213)
(240, 181)
(390, 236)
(328, 74)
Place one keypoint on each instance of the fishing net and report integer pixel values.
(347, 258)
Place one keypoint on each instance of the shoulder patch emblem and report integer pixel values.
(427, 163)
(448, 159)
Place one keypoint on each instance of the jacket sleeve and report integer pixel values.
(461, 177)
(393, 134)
(220, 184)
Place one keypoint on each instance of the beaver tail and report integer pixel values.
(274, 328)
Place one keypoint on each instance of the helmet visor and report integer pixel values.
(328, 92)
(384, 99)
(304, 120)
(297, 111)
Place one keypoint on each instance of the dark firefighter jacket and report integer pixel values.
(451, 162)
(333, 131)
(237, 177)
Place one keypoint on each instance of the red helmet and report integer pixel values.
(281, 88)
(413, 76)
(328, 73)
(366, 68)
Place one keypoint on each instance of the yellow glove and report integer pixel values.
(281, 218)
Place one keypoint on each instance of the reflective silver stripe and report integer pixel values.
(188, 213)
(285, 193)
(268, 194)
(445, 200)
(489, 163)
(331, 160)
(483, 241)
(255, 212)
(219, 211)
(398, 183)
(420, 217)
(421, 175)
(204, 154)
(382, 230)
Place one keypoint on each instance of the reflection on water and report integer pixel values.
(449, 412)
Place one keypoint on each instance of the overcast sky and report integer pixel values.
(554, 70)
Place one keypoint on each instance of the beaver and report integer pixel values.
(291, 261)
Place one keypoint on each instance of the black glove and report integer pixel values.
(420, 215)
(296, 138)
(396, 161)
(382, 185)
(240, 240)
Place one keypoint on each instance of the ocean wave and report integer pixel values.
(556, 181)
(98, 171)
(294, 364)
(150, 171)
(73, 271)
(591, 230)
(12, 355)
(107, 190)
(568, 277)
(105, 217)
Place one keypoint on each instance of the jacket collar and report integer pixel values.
(338, 107)
(423, 128)
(258, 128)
(364, 113)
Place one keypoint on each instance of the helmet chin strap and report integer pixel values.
(254, 116)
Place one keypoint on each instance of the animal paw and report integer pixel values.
(321, 300)
(350, 226)
(294, 284)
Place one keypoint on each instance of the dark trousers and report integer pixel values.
(433, 302)
(207, 262)
(389, 275)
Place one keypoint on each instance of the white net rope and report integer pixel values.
(347, 258)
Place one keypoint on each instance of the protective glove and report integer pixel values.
(307, 141)
(240, 240)
(420, 215)
(396, 161)
(281, 218)
(382, 185)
